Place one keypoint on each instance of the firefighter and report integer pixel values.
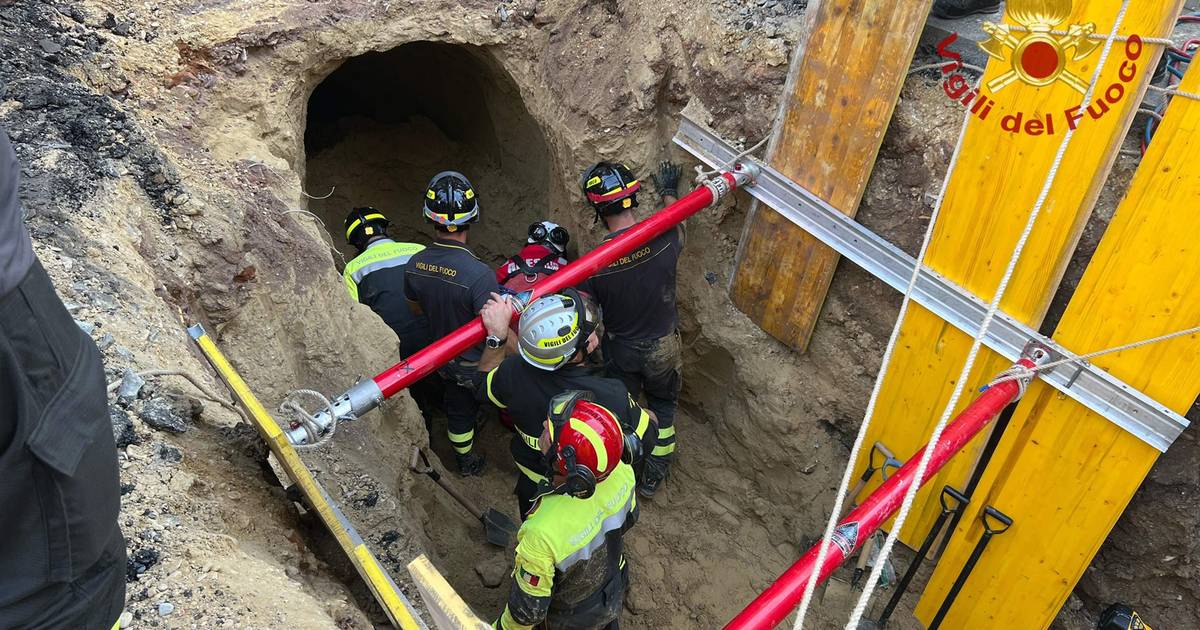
(62, 556)
(637, 294)
(555, 335)
(450, 285)
(542, 255)
(570, 571)
(375, 277)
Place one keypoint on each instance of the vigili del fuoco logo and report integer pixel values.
(1037, 54)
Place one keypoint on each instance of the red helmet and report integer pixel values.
(586, 442)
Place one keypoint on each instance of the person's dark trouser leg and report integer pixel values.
(427, 392)
(462, 410)
(662, 381)
(603, 612)
(622, 361)
(526, 491)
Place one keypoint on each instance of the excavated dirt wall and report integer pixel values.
(167, 147)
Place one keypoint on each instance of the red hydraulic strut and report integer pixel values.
(366, 395)
(781, 597)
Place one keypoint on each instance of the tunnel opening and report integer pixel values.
(382, 124)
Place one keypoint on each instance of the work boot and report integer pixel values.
(654, 473)
(470, 464)
(954, 9)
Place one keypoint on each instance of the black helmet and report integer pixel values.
(611, 188)
(364, 224)
(450, 201)
(1121, 617)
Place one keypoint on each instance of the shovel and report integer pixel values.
(498, 528)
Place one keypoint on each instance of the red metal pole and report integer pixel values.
(438, 353)
(779, 599)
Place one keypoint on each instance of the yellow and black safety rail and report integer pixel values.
(399, 610)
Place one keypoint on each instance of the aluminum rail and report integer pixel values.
(775, 603)
(368, 394)
(1092, 387)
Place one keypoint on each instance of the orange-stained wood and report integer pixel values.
(843, 86)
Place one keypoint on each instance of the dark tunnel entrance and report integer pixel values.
(383, 123)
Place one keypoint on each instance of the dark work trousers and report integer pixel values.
(427, 392)
(62, 557)
(651, 367)
(601, 611)
(462, 408)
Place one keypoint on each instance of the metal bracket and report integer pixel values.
(1125, 406)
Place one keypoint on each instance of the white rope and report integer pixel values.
(1021, 372)
(702, 174)
(960, 383)
(839, 502)
(1173, 92)
(307, 421)
(1161, 41)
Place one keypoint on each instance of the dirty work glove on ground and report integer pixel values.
(667, 179)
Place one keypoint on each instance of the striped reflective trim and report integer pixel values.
(612, 523)
(643, 424)
(461, 441)
(532, 475)
(666, 432)
(663, 451)
(369, 217)
(492, 396)
(396, 261)
(597, 443)
(530, 441)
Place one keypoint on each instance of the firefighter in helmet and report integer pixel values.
(543, 255)
(375, 277)
(637, 294)
(554, 338)
(570, 571)
(448, 283)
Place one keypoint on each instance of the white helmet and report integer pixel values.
(554, 328)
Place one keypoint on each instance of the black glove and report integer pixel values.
(667, 179)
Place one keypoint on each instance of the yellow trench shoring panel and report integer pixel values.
(394, 603)
(987, 203)
(444, 604)
(1062, 472)
(843, 86)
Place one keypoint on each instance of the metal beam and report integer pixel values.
(1092, 387)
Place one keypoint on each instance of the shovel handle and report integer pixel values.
(427, 469)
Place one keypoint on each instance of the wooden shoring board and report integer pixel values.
(1062, 472)
(990, 195)
(397, 607)
(842, 86)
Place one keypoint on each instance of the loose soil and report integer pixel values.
(166, 147)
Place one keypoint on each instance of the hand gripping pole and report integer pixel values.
(366, 395)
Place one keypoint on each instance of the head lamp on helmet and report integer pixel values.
(363, 225)
(554, 328)
(550, 234)
(450, 201)
(610, 187)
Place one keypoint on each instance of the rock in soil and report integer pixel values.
(122, 427)
(170, 415)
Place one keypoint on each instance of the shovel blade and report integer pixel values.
(498, 528)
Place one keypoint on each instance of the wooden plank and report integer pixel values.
(1062, 472)
(843, 85)
(990, 195)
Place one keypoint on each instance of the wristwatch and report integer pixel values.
(494, 342)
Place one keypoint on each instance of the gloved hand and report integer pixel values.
(667, 179)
